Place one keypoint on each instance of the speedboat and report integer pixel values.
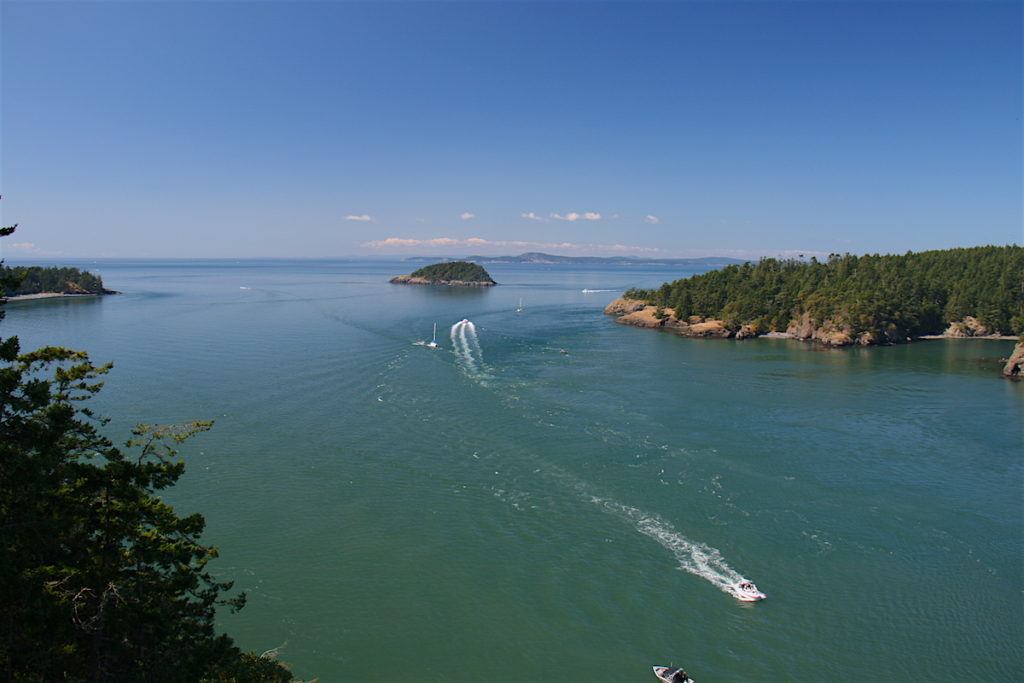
(746, 591)
(672, 674)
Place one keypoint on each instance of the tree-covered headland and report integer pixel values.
(100, 578)
(448, 273)
(40, 279)
(881, 298)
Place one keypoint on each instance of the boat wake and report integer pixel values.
(466, 346)
(694, 557)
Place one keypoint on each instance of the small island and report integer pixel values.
(44, 282)
(451, 274)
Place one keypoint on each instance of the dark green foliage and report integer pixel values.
(893, 296)
(463, 271)
(37, 279)
(100, 579)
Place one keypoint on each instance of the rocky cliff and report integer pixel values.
(1014, 367)
(641, 314)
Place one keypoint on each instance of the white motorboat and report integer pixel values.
(672, 674)
(746, 591)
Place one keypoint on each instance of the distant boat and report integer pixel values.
(519, 308)
(432, 344)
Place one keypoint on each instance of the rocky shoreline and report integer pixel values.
(57, 295)
(410, 280)
(639, 313)
(1014, 368)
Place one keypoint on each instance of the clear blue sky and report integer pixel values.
(279, 128)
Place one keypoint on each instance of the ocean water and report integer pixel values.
(499, 510)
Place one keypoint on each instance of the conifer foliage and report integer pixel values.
(892, 296)
(100, 579)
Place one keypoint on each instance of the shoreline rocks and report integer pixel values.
(410, 280)
(14, 298)
(1014, 368)
(639, 313)
(968, 327)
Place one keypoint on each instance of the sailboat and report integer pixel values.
(519, 308)
(433, 340)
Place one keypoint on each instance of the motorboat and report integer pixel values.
(746, 591)
(672, 674)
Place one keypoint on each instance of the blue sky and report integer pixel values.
(338, 128)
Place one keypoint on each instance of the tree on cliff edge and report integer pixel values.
(99, 578)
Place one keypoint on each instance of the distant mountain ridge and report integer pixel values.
(554, 259)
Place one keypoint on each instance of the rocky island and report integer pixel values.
(976, 292)
(451, 274)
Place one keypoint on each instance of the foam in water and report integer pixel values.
(466, 345)
(694, 557)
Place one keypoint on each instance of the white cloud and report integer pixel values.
(466, 216)
(23, 246)
(651, 218)
(573, 216)
(362, 217)
(531, 216)
(405, 242)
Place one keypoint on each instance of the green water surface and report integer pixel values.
(514, 513)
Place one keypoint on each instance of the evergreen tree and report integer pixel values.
(100, 579)
(893, 296)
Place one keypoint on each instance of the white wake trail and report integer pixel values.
(467, 351)
(694, 557)
(474, 341)
(466, 347)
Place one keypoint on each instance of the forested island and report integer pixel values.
(451, 273)
(846, 299)
(53, 280)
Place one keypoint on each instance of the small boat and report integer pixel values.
(519, 308)
(432, 344)
(746, 591)
(672, 674)
(564, 352)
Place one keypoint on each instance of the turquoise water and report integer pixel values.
(512, 513)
